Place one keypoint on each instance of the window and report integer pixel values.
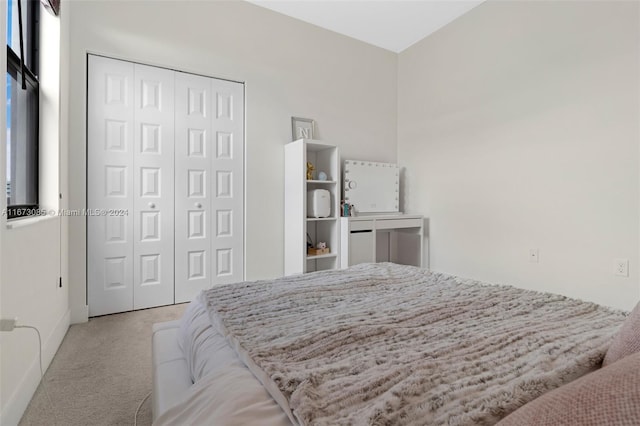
(22, 108)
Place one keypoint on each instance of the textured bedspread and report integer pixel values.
(385, 344)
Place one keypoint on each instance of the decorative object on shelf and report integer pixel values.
(310, 170)
(322, 176)
(320, 248)
(302, 128)
(318, 203)
(346, 209)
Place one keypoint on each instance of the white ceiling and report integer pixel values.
(391, 24)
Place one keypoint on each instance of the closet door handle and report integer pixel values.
(199, 205)
(152, 205)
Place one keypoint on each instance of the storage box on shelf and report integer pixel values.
(299, 227)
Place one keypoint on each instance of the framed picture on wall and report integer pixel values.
(302, 128)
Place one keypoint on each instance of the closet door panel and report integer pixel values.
(153, 185)
(110, 145)
(193, 155)
(227, 179)
(166, 149)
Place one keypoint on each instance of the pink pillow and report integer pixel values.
(627, 340)
(609, 396)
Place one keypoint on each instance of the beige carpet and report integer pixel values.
(101, 372)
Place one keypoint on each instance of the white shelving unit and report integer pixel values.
(324, 157)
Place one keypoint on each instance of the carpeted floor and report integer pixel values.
(101, 372)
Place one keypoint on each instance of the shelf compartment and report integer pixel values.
(321, 256)
(321, 182)
(320, 219)
(322, 262)
(325, 158)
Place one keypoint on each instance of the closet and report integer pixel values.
(165, 189)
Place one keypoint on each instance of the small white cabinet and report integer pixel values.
(298, 228)
(382, 238)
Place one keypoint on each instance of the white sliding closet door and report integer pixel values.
(109, 185)
(130, 179)
(193, 187)
(153, 187)
(209, 184)
(228, 182)
(167, 148)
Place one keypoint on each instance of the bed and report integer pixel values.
(380, 344)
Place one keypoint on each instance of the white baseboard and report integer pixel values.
(18, 402)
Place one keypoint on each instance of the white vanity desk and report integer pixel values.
(394, 238)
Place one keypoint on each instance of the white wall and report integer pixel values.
(290, 68)
(519, 128)
(31, 258)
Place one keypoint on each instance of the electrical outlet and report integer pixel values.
(534, 255)
(621, 267)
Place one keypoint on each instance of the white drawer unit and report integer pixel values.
(359, 225)
(381, 238)
(398, 223)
